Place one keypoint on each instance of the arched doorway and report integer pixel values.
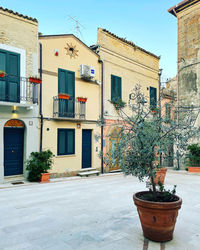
(13, 147)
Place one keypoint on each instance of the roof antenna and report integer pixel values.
(78, 25)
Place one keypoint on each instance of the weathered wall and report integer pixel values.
(189, 55)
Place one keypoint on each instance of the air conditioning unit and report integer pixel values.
(87, 72)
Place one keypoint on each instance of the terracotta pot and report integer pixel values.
(35, 80)
(45, 177)
(194, 169)
(157, 218)
(160, 175)
(81, 99)
(63, 96)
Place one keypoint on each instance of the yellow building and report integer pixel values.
(71, 75)
(124, 65)
(18, 95)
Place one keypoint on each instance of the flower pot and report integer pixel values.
(2, 74)
(194, 169)
(157, 218)
(81, 99)
(35, 80)
(45, 177)
(160, 175)
(63, 96)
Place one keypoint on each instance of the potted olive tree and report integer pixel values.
(38, 165)
(142, 137)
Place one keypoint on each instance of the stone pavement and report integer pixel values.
(91, 213)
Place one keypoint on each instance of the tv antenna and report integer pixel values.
(78, 25)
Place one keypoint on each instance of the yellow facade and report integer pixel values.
(56, 54)
(133, 65)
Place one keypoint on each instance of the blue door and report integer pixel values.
(13, 151)
(86, 148)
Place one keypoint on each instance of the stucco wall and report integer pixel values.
(19, 35)
(132, 65)
(69, 164)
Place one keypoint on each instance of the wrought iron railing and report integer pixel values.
(71, 108)
(18, 89)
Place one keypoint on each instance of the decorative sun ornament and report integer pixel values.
(71, 50)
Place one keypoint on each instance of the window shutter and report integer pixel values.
(61, 142)
(115, 88)
(61, 81)
(153, 97)
(70, 142)
(66, 141)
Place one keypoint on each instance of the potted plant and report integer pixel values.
(2, 73)
(142, 138)
(35, 79)
(193, 158)
(63, 96)
(118, 103)
(38, 165)
(82, 99)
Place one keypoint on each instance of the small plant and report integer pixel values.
(193, 157)
(118, 103)
(2, 73)
(38, 163)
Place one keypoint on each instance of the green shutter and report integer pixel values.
(153, 97)
(61, 142)
(70, 142)
(2, 61)
(66, 141)
(2, 90)
(61, 81)
(116, 88)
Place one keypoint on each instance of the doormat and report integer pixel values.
(17, 183)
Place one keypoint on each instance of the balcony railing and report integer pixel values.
(71, 109)
(18, 90)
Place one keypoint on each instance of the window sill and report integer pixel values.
(63, 156)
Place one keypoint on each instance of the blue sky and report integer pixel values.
(147, 23)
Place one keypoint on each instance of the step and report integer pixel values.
(87, 169)
(87, 173)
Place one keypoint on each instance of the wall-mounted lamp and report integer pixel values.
(14, 109)
(78, 125)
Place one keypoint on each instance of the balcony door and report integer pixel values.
(10, 83)
(66, 85)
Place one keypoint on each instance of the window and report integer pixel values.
(167, 111)
(66, 85)
(153, 98)
(116, 88)
(10, 84)
(66, 141)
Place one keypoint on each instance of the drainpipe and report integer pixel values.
(41, 114)
(159, 89)
(102, 114)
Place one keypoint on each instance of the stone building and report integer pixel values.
(187, 13)
(18, 95)
(124, 65)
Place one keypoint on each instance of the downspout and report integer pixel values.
(102, 114)
(41, 114)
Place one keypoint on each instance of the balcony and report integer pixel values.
(17, 91)
(70, 109)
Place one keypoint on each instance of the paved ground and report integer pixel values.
(91, 213)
